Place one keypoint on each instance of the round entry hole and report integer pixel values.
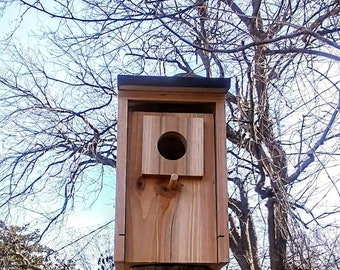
(172, 145)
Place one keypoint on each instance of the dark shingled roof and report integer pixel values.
(200, 82)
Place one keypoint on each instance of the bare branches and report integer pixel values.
(305, 51)
(311, 153)
(243, 228)
(60, 123)
(55, 130)
(236, 9)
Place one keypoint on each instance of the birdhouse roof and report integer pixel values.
(185, 84)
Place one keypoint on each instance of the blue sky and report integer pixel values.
(84, 213)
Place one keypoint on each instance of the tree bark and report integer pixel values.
(277, 241)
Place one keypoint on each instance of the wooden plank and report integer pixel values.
(194, 237)
(119, 247)
(180, 138)
(162, 89)
(171, 267)
(221, 184)
(164, 225)
(173, 97)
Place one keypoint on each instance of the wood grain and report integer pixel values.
(205, 90)
(203, 97)
(182, 224)
(171, 267)
(190, 127)
(119, 247)
(175, 228)
(221, 177)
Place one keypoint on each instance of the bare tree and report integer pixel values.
(282, 125)
(90, 247)
(19, 250)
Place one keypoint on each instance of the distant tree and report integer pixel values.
(91, 247)
(105, 261)
(19, 250)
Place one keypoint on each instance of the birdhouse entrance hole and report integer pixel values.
(172, 145)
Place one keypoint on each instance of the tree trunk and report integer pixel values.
(277, 242)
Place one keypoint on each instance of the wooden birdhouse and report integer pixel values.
(171, 205)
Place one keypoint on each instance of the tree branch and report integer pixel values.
(311, 153)
(303, 51)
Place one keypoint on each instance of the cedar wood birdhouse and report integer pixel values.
(171, 204)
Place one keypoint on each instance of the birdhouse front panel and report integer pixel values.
(173, 143)
(163, 223)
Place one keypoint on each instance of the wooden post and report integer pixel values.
(170, 267)
(171, 205)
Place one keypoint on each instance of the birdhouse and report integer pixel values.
(171, 204)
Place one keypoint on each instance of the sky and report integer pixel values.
(101, 211)
(83, 215)
(86, 216)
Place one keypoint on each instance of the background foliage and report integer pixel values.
(19, 250)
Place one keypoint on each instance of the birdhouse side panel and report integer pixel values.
(120, 207)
